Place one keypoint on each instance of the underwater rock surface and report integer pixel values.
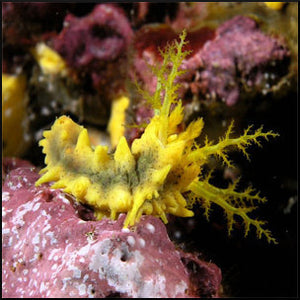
(96, 43)
(49, 251)
(239, 55)
(223, 64)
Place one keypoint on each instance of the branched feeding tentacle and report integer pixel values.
(223, 198)
(221, 148)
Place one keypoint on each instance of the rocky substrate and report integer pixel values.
(52, 247)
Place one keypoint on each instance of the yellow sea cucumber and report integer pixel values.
(275, 5)
(50, 61)
(161, 173)
(16, 138)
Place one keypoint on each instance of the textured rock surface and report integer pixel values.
(102, 35)
(96, 44)
(223, 63)
(48, 251)
(239, 55)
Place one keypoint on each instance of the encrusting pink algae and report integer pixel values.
(162, 172)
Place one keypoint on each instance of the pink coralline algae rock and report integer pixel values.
(236, 54)
(240, 54)
(48, 251)
(102, 35)
(97, 44)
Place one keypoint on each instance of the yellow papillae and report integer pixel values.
(275, 5)
(50, 61)
(161, 173)
(116, 123)
(14, 116)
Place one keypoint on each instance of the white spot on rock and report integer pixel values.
(36, 207)
(142, 242)
(5, 230)
(5, 196)
(131, 240)
(76, 273)
(36, 238)
(82, 289)
(150, 227)
(42, 287)
(123, 277)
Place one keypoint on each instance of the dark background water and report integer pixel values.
(252, 267)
